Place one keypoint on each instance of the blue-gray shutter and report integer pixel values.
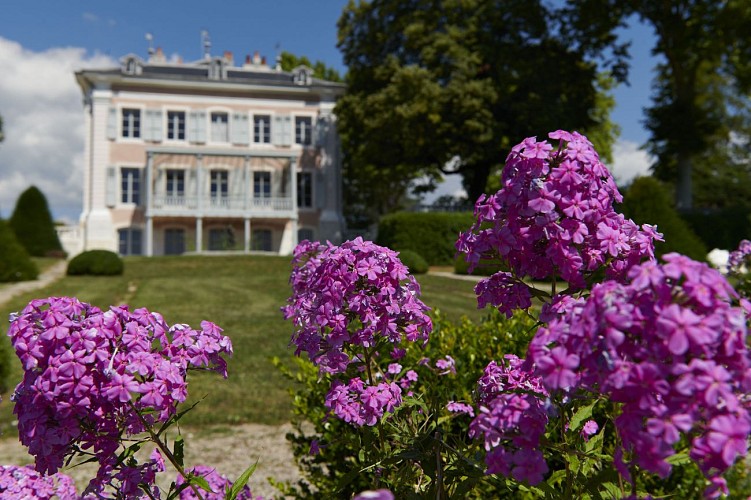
(197, 126)
(153, 128)
(240, 128)
(281, 132)
(111, 187)
(112, 124)
(319, 189)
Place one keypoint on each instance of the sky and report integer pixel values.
(43, 42)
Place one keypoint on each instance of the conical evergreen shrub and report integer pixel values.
(33, 225)
(15, 263)
(647, 202)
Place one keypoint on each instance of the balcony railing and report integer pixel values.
(221, 203)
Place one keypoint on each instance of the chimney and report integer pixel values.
(228, 58)
(158, 56)
(256, 58)
(263, 61)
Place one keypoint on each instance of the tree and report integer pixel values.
(33, 225)
(290, 61)
(2, 135)
(700, 86)
(439, 87)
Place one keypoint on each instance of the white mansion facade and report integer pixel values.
(208, 156)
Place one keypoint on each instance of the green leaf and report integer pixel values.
(240, 483)
(595, 442)
(580, 416)
(199, 481)
(179, 450)
(678, 459)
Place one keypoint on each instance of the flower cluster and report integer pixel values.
(351, 295)
(218, 484)
(670, 346)
(92, 377)
(25, 482)
(511, 419)
(361, 404)
(737, 258)
(552, 218)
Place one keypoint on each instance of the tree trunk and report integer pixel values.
(683, 189)
(475, 179)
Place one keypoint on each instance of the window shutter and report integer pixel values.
(240, 129)
(287, 130)
(282, 130)
(192, 127)
(112, 124)
(201, 126)
(154, 125)
(197, 126)
(319, 133)
(111, 187)
(319, 187)
(276, 131)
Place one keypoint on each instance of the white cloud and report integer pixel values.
(40, 103)
(90, 17)
(629, 162)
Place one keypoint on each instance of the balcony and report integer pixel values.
(227, 206)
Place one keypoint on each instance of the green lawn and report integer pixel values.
(242, 294)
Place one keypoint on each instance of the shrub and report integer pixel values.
(33, 225)
(414, 261)
(432, 235)
(720, 228)
(647, 202)
(15, 264)
(97, 263)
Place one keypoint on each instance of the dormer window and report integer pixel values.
(132, 65)
(217, 69)
(302, 75)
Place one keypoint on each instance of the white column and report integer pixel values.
(246, 183)
(147, 193)
(293, 183)
(199, 234)
(246, 234)
(149, 236)
(199, 184)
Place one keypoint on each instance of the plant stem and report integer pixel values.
(165, 449)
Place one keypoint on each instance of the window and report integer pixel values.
(219, 184)
(175, 182)
(304, 189)
(262, 184)
(174, 241)
(304, 233)
(303, 130)
(130, 241)
(262, 129)
(132, 123)
(261, 240)
(130, 185)
(221, 238)
(220, 127)
(176, 125)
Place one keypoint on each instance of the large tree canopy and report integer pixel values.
(445, 86)
(701, 86)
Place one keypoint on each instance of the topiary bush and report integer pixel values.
(414, 261)
(15, 263)
(647, 202)
(97, 263)
(33, 225)
(432, 235)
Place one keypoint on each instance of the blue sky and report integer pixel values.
(43, 41)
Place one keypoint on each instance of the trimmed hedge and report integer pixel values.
(33, 225)
(96, 263)
(432, 235)
(15, 263)
(414, 261)
(647, 202)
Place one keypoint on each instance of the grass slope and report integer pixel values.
(242, 294)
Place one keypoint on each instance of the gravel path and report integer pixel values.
(229, 449)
